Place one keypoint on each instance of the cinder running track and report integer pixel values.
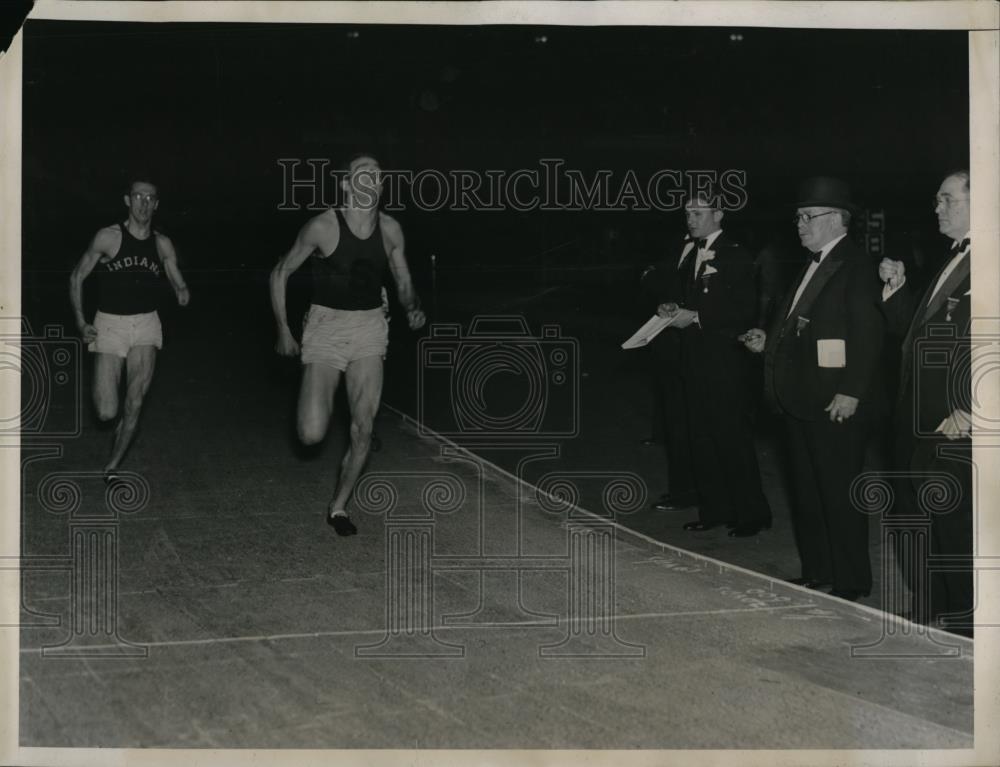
(468, 613)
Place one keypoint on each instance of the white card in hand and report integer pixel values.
(832, 353)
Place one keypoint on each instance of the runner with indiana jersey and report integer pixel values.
(345, 333)
(130, 260)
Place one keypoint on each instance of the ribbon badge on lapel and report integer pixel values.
(801, 324)
(707, 270)
(706, 273)
(952, 305)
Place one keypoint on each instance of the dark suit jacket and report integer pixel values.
(841, 302)
(934, 376)
(726, 300)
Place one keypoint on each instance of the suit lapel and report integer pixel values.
(820, 277)
(688, 247)
(779, 318)
(958, 274)
(718, 251)
(927, 308)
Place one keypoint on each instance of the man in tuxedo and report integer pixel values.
(710, 296)
(821, 363)
(932, 416)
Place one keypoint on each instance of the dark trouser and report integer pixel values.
(726, 471)
(675, 430)
(831, 535)
(657, 431)
(940, 488)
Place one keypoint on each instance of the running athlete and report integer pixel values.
(346, 332)
(130, 259)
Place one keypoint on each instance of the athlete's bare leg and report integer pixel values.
(107, 381)
(364, 392)
(319, 384)
(139, 367)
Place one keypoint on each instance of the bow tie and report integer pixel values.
(958, 247)
(702, 243)
(815, 257)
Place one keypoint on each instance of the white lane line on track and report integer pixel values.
(723, 566)
(434, 629)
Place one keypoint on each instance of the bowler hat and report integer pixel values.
(826, 192)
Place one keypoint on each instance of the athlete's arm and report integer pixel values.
(99, 246)
(169, 258)
(305, 243)
(401, 272)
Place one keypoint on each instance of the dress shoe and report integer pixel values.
(748, 531)
(808, 583)
(851, 595)
(669, 502)
(699, 526)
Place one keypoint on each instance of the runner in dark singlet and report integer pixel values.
(130, 259)
(346, 332)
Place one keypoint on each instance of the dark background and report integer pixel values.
(208, 109)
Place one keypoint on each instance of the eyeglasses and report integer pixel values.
(945, 200)
(140, 196)
(805, 218)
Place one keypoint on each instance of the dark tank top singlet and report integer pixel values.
(129, 282)
(351, 277)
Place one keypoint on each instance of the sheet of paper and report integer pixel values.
(648, 332)
(832, 352)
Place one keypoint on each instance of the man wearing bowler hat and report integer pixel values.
(821, 363)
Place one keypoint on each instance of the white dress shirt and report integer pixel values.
(959, 255)
(700, 255)
(813, 266)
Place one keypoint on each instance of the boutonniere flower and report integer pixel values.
(801, 324)
(952, 305)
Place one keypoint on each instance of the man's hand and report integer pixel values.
(286, 345)
(841, 407)
(667, 310)
(754, 340)
(683, 318)
(958, 424)
(183, 296)
(89, 332)
(416, 318)
(892, 273)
